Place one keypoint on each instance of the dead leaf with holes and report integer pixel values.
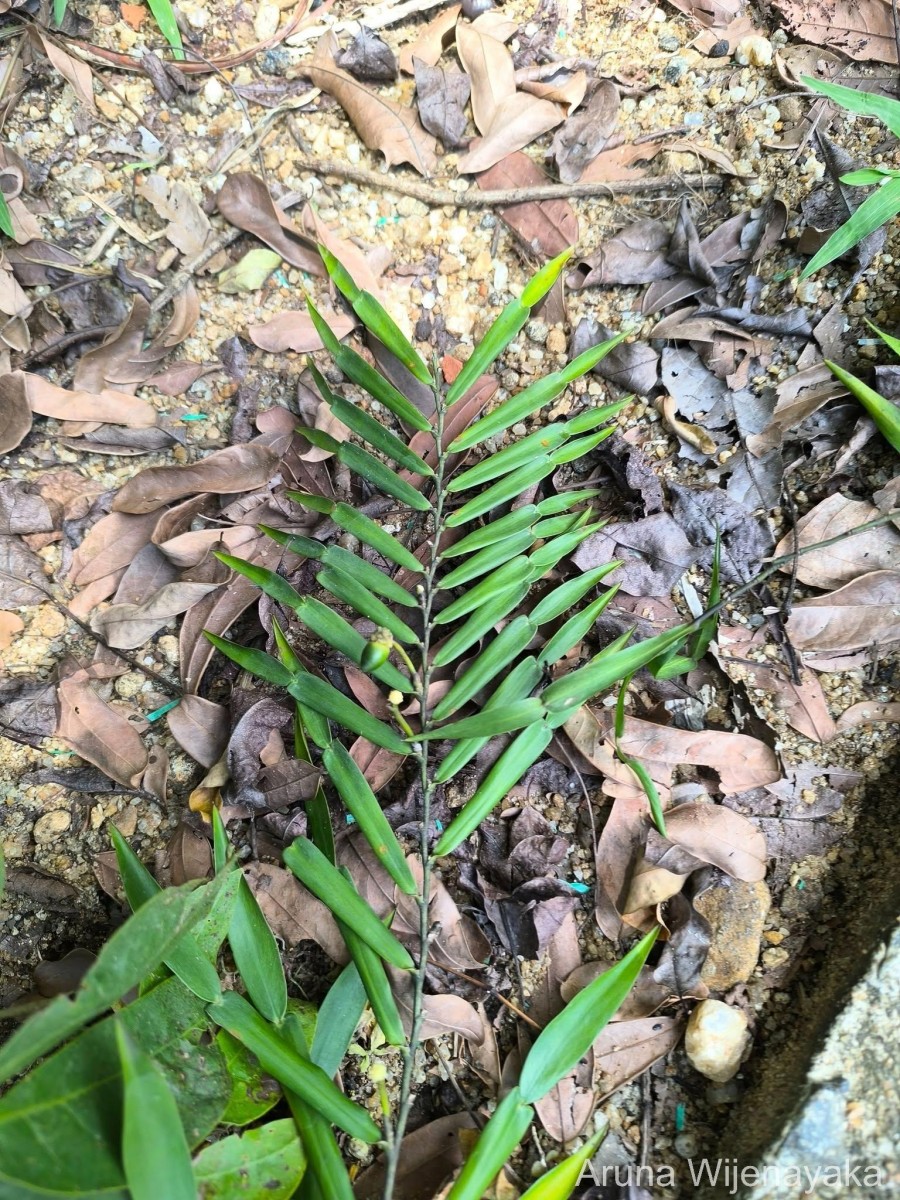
(383, 125)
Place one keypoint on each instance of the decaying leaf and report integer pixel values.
(518, 120)
(428, 1156)
(15, 413)
(625, 1049)
(234, 469)
(200, 727)
(294, 914)
(490, 67)
(858, 554)
(244, 200)
(547, 226)
(98, 733)
(381, 123)
(654, 552)
(127, 626)
(188, 226)
(718, 835)
(863, 29)
(581, 138)
(295, 331)
(369, 57)
(441, 95)
(190, 854)
(855, 622)
(21, 574)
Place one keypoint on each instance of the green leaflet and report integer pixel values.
(561, 1181)
(318, 617)
(499, 1138)
(339, 1015)
(264, 1164)
(522, 679)
(514, 571)
(565, 595)
(505, 328)
(510, 642)
(506, 489)
(283, 1063)
(491, 557)
(509, 768)
(497, 531)
(546, 439)
(164, 15)
(569, 1035)
(546, 557)
(884, 413)
(478, 624)
(867, 104)
(575, 629)
(375, 319)
(132, 952)
(186, 960)
(536, 395)
(253, 1094)
(306, 720)
(362, 527)
(356, 368)
(253, 944)
(513, 717)
(363, 805)
(257, 662)
(376, 435)
(374, 980)
(6, 225)
(323, 698)
(343, 560)
(324, 880)
(875, 211)
(349, 590)
(368, 467)
(155, 1152)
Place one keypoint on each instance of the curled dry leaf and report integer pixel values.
(859, 617)
(127, 626)
(718, 835)
(190, 855)
(98, 733)
(490, 67)
(200, 728)
(295, 331)
(378, 765)
(584, 135)
(566, 1108)
(866, 713)
(234, 469)
(831, 567)
(443, 1014)
(73, 70)
(519, 119)
(433, 37)
(15, 412)
(382, 124)
(863, 29)
(244, 200)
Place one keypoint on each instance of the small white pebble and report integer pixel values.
(213, 92)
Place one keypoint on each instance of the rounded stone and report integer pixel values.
(51, 825)
(737, 913)
(716, 1040)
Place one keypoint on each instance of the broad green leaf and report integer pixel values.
(254, 948)
(509, 643)
(877, 209)
(497, 531)
(130, 954)
(561, 1181)
(496, 1142)
(868, 176)
(589, 681)
(513, 717)
(535, 396)
(575, 629)
(339, 1015)
(249, 273)
(489, 558)
(884, 413)
(376, 319)
(306, 720)
(253, 1093)
(186, 960)
(366, 427)
(79, 1088)
(155, 1152)
(257, 662)
(867, 104)
(164, 15)
(316, 616)
(522, 679)
(370, 468)
(362, 527)
(362, 804)
(260, 1164)
(478, 624)
(375, 981)
(542, 442)
(350, 591)
(323, 698)
(327, 1177)
(569, 1035)
(514, 571)
(565, 595)
(282, 1062)
(356, 368)
(506, 772)
(324, 880)
(503, 490)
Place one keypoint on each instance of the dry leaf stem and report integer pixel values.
(498, 198)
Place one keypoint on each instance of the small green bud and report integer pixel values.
(375, 654)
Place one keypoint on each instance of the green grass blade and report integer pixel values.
(6, 224)
(494, 1148)
(522, 679)
(875, 210)
(569, 1035)
(155, 1153)
(893, 342)
(257, 662)
(376, 435)
(867, 104)
(282, 1062)
(506, 772)
(362, 803)
(375, 319)
(478, 624)
(164, 16)
(884, 413)
(317, 694)
(324, 880)
(535, 396)
(561, 1181)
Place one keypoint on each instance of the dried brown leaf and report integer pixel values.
(441, 96)
(245, 201)
(117, 408)
(294, 914)
(566, 1108)
(127, 626)
(861, 616)
(99, 733)
(432, 38)
(718, 835)
(110, 545)
(216, 612)
(831, 567)
(15, 411)
(295, 331)
(625, 1049)
(378, 765)
(489, 65)
(73, 70)
(22, 578)
(863, 29)
(382, 124)
(427, 1157)
(190, 855)
(547, 226)
(867, 713)
(188, 226)
(582, 137)
(200, 727)
(234, 469)
(519, 119)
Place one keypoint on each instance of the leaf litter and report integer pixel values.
(137, 557)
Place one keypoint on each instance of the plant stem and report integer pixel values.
(404, 1106)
